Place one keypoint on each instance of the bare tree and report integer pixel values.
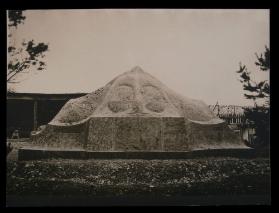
(28, 54)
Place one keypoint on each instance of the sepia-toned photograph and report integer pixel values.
(138, 107)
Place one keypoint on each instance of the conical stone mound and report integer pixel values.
(136, 112)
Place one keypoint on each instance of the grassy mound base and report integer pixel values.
(108, 178)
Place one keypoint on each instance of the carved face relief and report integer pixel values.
(124, 94)
(153, 98)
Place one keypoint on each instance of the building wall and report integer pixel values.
(20, 114)
(26, 112)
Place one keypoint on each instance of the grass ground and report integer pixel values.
(148, 179)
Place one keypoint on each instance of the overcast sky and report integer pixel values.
(193, 52)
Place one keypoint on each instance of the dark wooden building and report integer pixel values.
(27, 111)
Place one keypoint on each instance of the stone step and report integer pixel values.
(37, 154)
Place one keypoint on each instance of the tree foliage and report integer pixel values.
(15, 18)
(258, 117)
(25, 56)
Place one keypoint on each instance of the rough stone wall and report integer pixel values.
(138, 134)
(156, 134)
(151, 133)
(213, 136)
(122, 134)
(72, 137)
(127, 134)
(100, 134)
(174, 134)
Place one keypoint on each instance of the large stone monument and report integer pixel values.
(135, 112)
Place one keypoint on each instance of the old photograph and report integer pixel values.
(127, 107)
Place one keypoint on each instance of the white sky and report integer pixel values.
(193, 52)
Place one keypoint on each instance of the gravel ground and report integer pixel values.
(138, 178)
(104, 177)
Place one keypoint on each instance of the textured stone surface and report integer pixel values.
(151, 133)
(133, 92)
(174, 134)
(100, 134)
(136, 112)
(213, 136)
(139, 134)
(127, 134)
(61, 137)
